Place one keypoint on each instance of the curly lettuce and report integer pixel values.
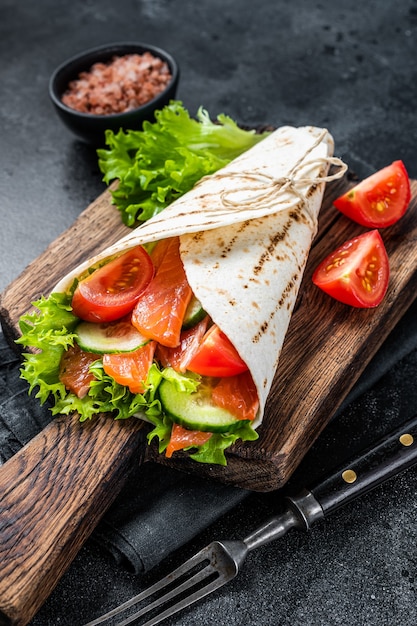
(164, 160)
(210, 452)
(49, 330)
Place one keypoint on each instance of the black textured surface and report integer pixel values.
(348, 66)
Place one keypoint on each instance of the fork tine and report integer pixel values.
(172, 594)
(182, 604)
(199, 558)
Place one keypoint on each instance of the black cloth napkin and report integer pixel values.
(160, 509)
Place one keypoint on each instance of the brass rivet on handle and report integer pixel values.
(349, 476)
(406, 439)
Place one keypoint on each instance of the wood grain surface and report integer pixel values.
(328, 344)
(53, 492)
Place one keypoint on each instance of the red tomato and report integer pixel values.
(130, 368)
(238, 395)
(379, 200)
(182, 438)
(357, 273)
(216, 356)
(112, 291)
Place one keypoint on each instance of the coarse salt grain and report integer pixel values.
(125, 83)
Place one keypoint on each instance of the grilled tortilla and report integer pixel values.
(245, 235)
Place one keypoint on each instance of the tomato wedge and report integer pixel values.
(216, 356)
(130, 368)
(182, 438)
(159, 313)
(379, 200)
(111, 291)
(357, 273)
(238, 395)
(179, 356)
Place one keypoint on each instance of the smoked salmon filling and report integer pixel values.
(141, 344)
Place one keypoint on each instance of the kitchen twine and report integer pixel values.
(271, 188)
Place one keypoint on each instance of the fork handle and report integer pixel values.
(391, 455)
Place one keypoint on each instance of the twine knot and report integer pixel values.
(268, 192)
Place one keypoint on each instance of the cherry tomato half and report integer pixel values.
(379, 200)
(357, 273)
(112, 291)
(216, 356)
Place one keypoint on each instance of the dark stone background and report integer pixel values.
(346, 65)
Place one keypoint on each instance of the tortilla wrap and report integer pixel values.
(245, 235)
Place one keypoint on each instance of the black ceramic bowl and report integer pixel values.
(91, 127)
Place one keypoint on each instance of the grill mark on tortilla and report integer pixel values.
(275, 239)
(281, 302)
(228, 248)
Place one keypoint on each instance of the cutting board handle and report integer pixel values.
(53, 492)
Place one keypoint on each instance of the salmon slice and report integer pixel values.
(74, 370)
(238, 395)
(179, 356)
(130, 368)
(182, 438)
(160, 311)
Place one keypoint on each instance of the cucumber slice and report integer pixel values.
(193, 314)
(196, 411)
(109, 337)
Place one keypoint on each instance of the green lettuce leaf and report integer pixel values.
(213, 450)
(210, 452)
(49, 330)
(165, 159)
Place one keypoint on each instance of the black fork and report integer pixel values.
(220, 561)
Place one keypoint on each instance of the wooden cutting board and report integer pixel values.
(327, 345)
(54, 491)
